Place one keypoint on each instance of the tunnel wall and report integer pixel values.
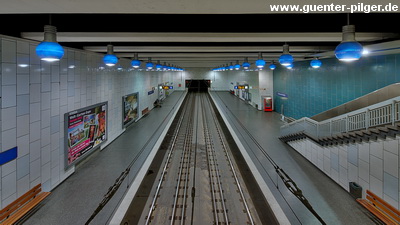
(35, 97)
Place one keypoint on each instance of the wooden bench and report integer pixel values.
(18, 208)
(381, 209)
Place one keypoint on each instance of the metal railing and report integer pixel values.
(387, 112)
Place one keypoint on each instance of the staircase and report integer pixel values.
(377, 121)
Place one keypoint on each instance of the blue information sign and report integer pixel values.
(8, 155)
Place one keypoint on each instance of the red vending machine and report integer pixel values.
(267, 104)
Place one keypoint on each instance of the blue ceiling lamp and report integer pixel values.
(286, 58)
(349, 49)
(159, 66)
(237, 65)
(231, 67)
(246, 64)
(272, 66)
(135, 62)
(110, 59)
(49, 50)
(315, 63)
(260, 63)
(149, 65)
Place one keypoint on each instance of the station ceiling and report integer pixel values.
(205, 40)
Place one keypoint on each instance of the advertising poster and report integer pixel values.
(86, 129)
(130, 108)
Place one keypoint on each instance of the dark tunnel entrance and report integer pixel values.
(198, 85)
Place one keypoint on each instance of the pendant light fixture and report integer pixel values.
(246, 64)
(237, 65)
(135, 62)
(286, 58)
(110, 59)
(260, 63)
(49, 50)
(158, 66)
(149, 64)
(290, 66)
(272, 66)
(349, 49)
(316, 63)
(231, 67)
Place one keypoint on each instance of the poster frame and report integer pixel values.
(123, 107)
(66, 121)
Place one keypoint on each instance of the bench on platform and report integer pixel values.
(380, 208)
(21, 206)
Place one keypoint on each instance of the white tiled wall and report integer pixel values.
(373, 165)
(34, 99)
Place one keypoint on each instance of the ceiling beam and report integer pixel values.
(205, 49)
(205, 37)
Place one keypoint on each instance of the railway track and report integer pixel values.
(199, 181)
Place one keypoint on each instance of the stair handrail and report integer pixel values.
(383, 113)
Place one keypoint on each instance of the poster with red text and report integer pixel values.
(85, 130)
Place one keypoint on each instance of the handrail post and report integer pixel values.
(367, 119)
(347, 123)
(393, 112)
(330, 127)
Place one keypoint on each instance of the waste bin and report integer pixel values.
(355, 190)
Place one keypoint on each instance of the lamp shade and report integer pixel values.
(349, 51)
(246, 65)
(149, 65)
(110, 60)
(49, 51)
(231, 67)
(286, 59)
(315, 63)
(290, 66)
(237, 66)
(260, 63)
(272, 66)
(135, 63)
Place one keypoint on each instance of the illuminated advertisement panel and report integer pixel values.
(130, 108)
(85, 130)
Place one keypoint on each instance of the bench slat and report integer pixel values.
(382, 207)
(26, 208)
(19, 202)
(376, 212)
(383, 202)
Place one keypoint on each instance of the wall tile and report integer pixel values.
(35, 74)
(391, 186)
(363, 151)
(352, 173)
(55, 91)
(54, 158)
(55, 73)
(8, 168)
(23, 167)
(8, 51)
(35, 150)
(23, 64)
(9, 139)
(327, 165)
(23, 145)
(35, 95)
(55, 176)
(55, 107)
(363, 170)
(34, 109)
(9, 118)
(335, 162)
(353, 154)
(35, 170)
(46, 83)
(55, 124)
(34, 59)
(22, 84)
(34, 131)
(55, 141)
(45, 101)
(9, 96)
(45, 118)
(46, 172)
(8, 185)
(391, 146)
(45, 154)
(23, 47)
(376, 149)
(391, 163)
(45, 134)
(22, 125)
(343, 176)
(23, 185)
(376, 185)
(9, 74)
(22, 105)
